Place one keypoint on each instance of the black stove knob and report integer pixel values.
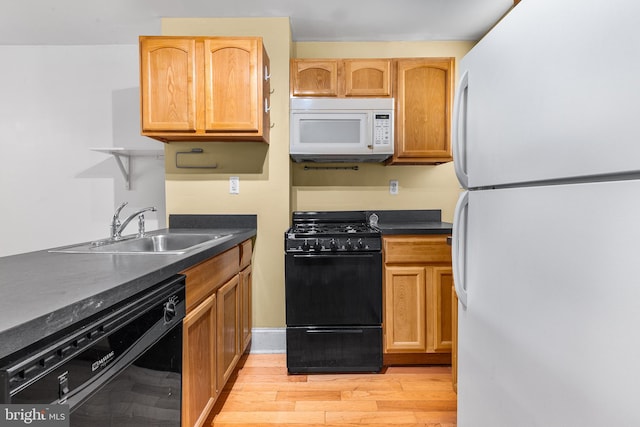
(360, 244)
(349, 245)
(317, 246)
(305, 245)
(333, 245)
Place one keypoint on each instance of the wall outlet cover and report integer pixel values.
(393, 186)
(234, 185)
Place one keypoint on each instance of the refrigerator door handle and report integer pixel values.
(459, 247)
(459, 134)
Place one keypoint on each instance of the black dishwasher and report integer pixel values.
(121, 367)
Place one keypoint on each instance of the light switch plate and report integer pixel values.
(234, 185)
(393, 186)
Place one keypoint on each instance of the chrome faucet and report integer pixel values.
(118, 227)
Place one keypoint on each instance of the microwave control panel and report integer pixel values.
(382, 130)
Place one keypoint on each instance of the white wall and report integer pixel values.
(57, 102)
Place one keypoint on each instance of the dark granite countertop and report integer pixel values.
(44, 292)
(411, 222)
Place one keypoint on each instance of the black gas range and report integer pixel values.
(333, 285)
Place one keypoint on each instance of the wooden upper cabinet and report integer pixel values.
(168, 84)
(231, 89)
(341, 78)
(314, 77)
(367, 77)
(204, 88)
(424, 100)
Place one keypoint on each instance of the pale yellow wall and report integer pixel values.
(264, 171)
(421, 187)
(267, 174)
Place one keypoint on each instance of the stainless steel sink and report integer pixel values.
(169, 243)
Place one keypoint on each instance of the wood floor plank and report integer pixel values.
(278, 418)
(416, 405)
(271, 378)
(436, 417)
(309, 395)
(253, 396)
(427, 385)
(398, 395)
(368, 418)
(308, 386)
(272, 406)
(336, 406)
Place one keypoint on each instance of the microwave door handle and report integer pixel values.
(370, 130)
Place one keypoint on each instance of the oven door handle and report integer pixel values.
(333, 331)
(340, 255)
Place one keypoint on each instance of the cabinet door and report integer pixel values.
(314, 77)
(439, 309)
(424, 97)
(245, 293)
(265, 77)
(367, 77)
(405, 319)
(199, 363)
(168, 84)
(228, 351)
(232, 96)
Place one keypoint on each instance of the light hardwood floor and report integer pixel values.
(261, 394)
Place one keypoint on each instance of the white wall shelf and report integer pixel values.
(123, 158)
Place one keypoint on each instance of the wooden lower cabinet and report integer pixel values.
(405, 314)
(245, 298)
(440, 324)
(199, 361)
(417, 300)
(216, 328)
(228, 351)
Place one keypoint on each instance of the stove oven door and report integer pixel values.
(343, 289)
(334, 312)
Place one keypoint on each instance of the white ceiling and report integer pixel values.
(64, 22)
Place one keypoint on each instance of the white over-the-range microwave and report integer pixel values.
(341, 129)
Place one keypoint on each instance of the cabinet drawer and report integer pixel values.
(204, 278)
(245, 253)
(416, 249)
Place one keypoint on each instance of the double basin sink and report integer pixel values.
(166, 243)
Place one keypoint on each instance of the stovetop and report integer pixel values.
(331, 231)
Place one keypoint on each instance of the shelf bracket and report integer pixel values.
(123, 159)
(125, 168)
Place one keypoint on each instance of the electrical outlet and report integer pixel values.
(234, 185)
(393, 186)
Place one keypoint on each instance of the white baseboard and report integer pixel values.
(268, 340)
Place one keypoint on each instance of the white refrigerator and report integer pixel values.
(546, 238)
